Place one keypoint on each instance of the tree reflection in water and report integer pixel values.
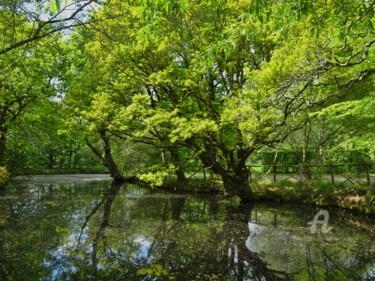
(197, 240)
(124, 234)
(178, 250)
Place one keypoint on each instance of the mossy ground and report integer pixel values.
(348, 195)
(344, 195)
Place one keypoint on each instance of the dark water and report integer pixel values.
(98, 231)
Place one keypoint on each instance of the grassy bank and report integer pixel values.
(344, 195)
(348, 195)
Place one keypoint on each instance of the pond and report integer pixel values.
(94, 230)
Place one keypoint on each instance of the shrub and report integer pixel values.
(4, 175)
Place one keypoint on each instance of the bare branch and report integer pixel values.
(349, 61)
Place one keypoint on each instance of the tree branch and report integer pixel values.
(38, 33)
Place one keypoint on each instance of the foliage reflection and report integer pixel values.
(99, 232)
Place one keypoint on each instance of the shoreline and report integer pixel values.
(356, 198)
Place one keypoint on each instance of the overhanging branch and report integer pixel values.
(43, 26)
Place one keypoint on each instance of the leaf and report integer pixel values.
(58, 6)
(53, 7)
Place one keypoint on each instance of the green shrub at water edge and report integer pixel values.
(4, 175)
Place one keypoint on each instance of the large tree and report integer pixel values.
(29, 61)
(223, 79)
(88, 83)
(25, 76)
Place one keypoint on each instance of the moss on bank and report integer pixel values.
(348, 196)
(4, 176)
(198, 186)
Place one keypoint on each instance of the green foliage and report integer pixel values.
(290, 159)
(55, 6)
(4, 175)
(347, 156)
(353, 121)
(218, 79)
(155, 270)
(23, 23)
(204, 83)
(321, 193)
(36, 143)
(343, 160)
(157, 175)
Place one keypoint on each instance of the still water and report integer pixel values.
(99, 231)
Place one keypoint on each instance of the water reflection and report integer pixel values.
(111, 232)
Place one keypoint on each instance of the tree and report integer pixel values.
(26, 76)
(87, 87)
(28, 68)
(352, 123)
(37, 143)
(23, 22)
(224, 79)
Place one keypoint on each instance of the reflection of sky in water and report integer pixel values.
(284, 248)
(259, 232)
(370, 273)
(59, 268)
(235, 258)
(130, 238)
(144, 248)
(60, 259)
(294, 243)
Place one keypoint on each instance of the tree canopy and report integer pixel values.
(211, 82)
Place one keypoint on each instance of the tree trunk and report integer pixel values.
(177, 205)
(51, 159)
(235, 183)
(3, 139)
(108, 159)
(306, 136)
(2, 148)
(238, 184)
(181, 178)
(234, 174)
(242, 261)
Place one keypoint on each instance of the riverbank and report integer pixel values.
(355, 197)
(63, 178)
